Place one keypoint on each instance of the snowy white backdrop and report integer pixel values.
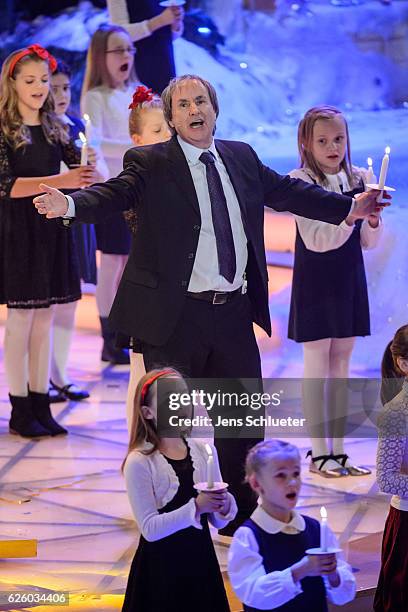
(270, 70)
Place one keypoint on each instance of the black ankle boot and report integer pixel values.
(40, 403)
(22, 421)
(110, 352)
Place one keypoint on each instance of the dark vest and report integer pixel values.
(154, 60)
(279, 551)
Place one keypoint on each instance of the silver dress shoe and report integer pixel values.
(319, 469)
(353, 470)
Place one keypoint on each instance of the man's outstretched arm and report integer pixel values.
(283, 193)
(102, 200)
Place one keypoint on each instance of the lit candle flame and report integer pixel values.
(369, 161)
(208, 449)
(82, 137)
(323, 512)
(387, 150)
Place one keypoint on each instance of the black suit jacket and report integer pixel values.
(157, 183)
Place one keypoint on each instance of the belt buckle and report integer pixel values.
(219, 297)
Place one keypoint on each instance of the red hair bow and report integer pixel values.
(36, 50)
(142, 94)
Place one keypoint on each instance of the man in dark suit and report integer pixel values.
(200, 208)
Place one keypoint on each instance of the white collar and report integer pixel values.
(337, 180)
(271, 525)
(193, 153)
(65, 119)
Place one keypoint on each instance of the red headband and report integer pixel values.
(142, 94)
(34, 50)
(149, 383)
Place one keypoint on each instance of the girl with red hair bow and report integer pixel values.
(175, 566)
(38, 266)
(147, 126)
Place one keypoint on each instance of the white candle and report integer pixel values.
(323, 529)
(370, 173)
(84, 149)
(88, 127)
(210, 467)
(384, 168)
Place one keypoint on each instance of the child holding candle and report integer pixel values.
(392, 477)
(267, 562)
(175, 567)
(329, 303)
(108, 87)
(61, 388)
(38, 262)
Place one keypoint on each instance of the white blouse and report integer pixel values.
(319, 236)
(108, 110)
(265, 591)
(152, 483)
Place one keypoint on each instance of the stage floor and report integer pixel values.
(68, 493)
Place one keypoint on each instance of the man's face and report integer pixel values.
(193, 116)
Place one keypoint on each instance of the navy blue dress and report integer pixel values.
(83, 233)
(179, 573)
(154, 60)
(38, 258)
(281, 550)
(329, 291)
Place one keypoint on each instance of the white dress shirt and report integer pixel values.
(265, 591)
(319, 236)
(205, 275)
(152, 483)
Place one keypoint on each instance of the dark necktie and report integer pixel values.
(221, 221)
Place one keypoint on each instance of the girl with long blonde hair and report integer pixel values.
(107, 90)
(38, 265)
(329, 304)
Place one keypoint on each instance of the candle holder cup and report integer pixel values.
(378, 187)
(202, 487)
(168, 3)
(319, 551)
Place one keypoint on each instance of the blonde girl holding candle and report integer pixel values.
(108, 86)
(175, 567)
(267, 561)
(329, 303)
(38, 263)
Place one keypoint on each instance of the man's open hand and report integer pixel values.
(52, 203)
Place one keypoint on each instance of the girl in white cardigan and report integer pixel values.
(175, 567)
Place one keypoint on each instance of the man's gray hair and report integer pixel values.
(167, 95)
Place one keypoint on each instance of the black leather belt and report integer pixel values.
(214, 297)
